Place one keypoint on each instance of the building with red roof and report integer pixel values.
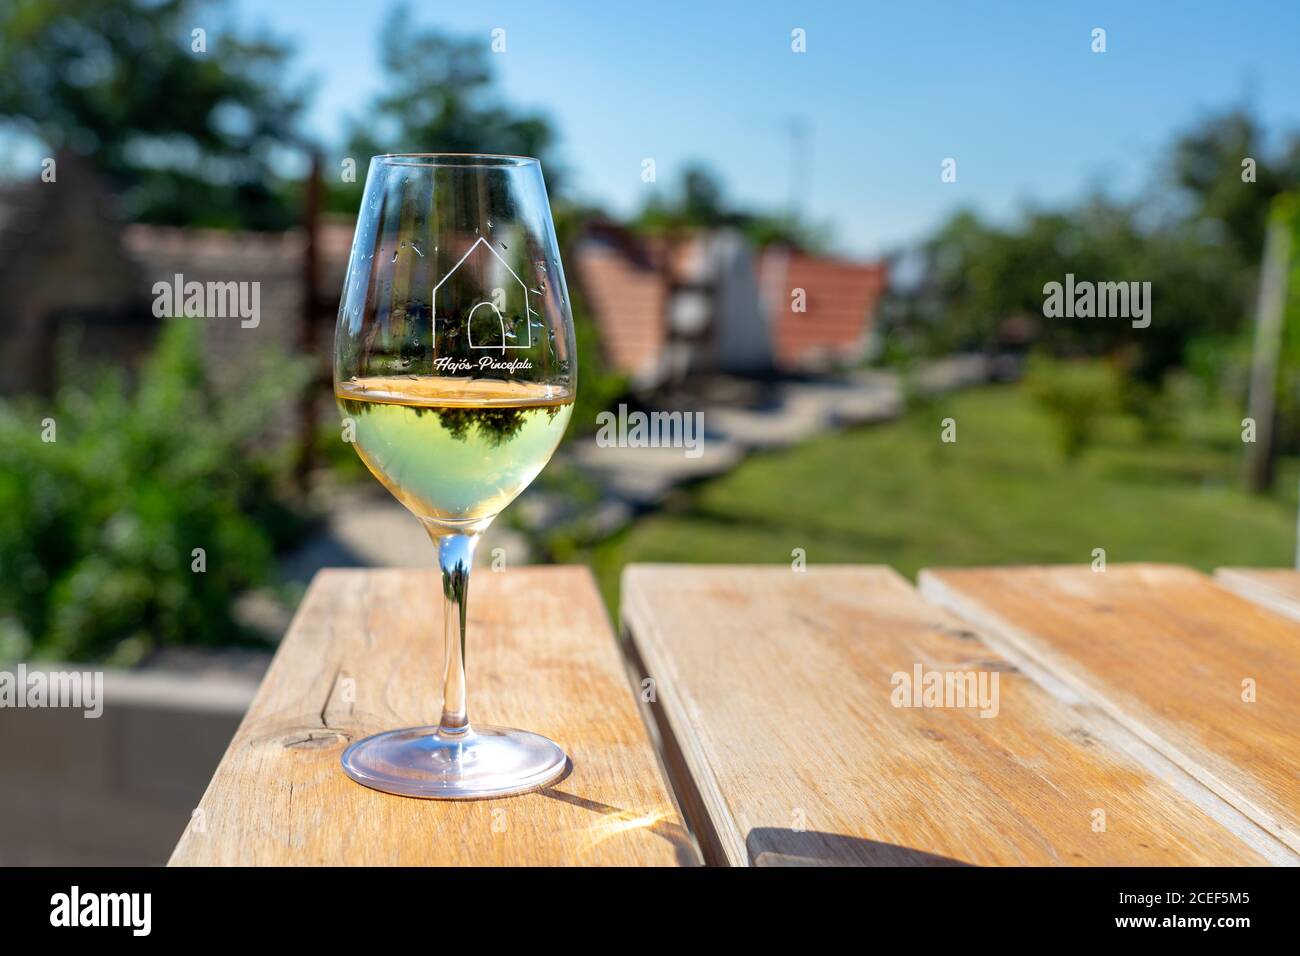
(823, 309)
(699, 302)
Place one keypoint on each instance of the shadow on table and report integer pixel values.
(775, 846)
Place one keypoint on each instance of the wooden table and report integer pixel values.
(364, 654)
(1143, 715)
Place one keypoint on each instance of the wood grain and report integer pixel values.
(774, 698)
(364, 654)
(1168, 654)
(1277, 589)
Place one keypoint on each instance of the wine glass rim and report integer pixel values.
(456, 159)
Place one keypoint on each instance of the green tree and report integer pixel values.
(1209, 164)
(185, 135)
(1196, 236)
(698, 201)
(439, 95)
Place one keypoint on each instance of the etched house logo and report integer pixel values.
(502, 316)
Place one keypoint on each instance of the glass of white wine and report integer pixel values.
(455, 372)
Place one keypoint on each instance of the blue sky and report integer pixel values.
(885, 90)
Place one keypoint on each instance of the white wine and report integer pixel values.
(454, 451)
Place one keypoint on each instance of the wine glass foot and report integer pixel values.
(483, 762)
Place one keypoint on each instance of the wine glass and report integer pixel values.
(454, 370)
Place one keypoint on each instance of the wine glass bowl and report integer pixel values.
(454, 371)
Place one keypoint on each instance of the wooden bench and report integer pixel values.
(1098, 718)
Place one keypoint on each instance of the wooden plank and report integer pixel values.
(1168, 654)
(1277, 589)
(774, 695)
(364, 654)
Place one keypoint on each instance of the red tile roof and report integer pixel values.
(840, 300)
(627, 289)
(627, 300)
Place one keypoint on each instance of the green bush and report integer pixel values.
(1077, 395)
(1161, 410)
(98, 528)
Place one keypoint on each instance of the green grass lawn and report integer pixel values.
(1001, 494)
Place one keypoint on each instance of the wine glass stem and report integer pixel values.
(455, 556)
